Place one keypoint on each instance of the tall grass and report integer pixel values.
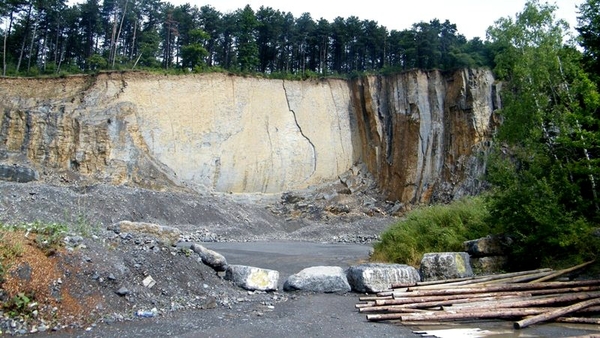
(437, 228)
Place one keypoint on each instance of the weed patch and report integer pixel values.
(438, 228)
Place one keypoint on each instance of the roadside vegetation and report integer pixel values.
(29, 244)
(544, 167)
(436, 228)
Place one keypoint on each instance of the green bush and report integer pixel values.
(534, 205)
(438, 228)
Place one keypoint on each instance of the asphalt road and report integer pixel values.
(304, 314)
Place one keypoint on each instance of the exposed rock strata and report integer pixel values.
(420, 133)
(424, 134)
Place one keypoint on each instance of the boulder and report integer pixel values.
(488, 265)
(17, 173)
(211, 258)
(377, 277)
(165, 234)
(488, 246)
(445, 265)
(328, 279)
(252, 278)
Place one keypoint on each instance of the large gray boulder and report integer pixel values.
(377, 277)
(252, 278)
(328, 279)
(209, 257)
(17, 173)
(492, 245)
(445, 265)
(488, 265)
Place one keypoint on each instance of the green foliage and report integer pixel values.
(96, 62)
(589, 35)
(8, 252)
(82, 225)
(193, 54)
(151, 34)
(438, 228)
(49, 236)
(544, 166)
(19, 305)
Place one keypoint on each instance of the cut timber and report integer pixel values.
(556, 313)
(441, 302)
(371, 298)
(438, 316)
(582, 320)
(562, 272)
(466, 281)
(500, 287)
(517, 279)
(506, 296)
(546, 300)
(406, 300)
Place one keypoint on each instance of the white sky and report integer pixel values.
(472, 17)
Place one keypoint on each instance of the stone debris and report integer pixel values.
(209, 257)
(18, 173)
(149, 282)
(488, 246)
(325, 279)
(377, 277)
(165, 234)
(488, 254)
(488, 265)
(252, 278)
(445, 265)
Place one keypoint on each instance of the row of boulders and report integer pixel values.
(485, 255)
(370, 278)
(373, 277)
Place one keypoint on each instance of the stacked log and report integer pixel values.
(527, 297)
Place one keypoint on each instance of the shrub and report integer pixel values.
(534, 205)
(438, 228)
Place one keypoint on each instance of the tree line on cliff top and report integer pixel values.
(49, 36)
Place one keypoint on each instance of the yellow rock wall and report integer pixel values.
(420, 133)
(212, 131)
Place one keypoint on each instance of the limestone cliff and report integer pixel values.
(418, 132)
(424, 134)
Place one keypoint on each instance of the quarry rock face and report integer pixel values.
(424, 133)
(419, 133)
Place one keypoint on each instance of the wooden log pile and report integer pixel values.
(527, 297)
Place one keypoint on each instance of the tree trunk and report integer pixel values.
(31, 47)
(119, 33)
(10, 21)
(27, 23)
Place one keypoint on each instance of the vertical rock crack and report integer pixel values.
(314, 149)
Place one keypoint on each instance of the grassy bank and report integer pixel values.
(437, 228)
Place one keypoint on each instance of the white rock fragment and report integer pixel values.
(149, 282)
